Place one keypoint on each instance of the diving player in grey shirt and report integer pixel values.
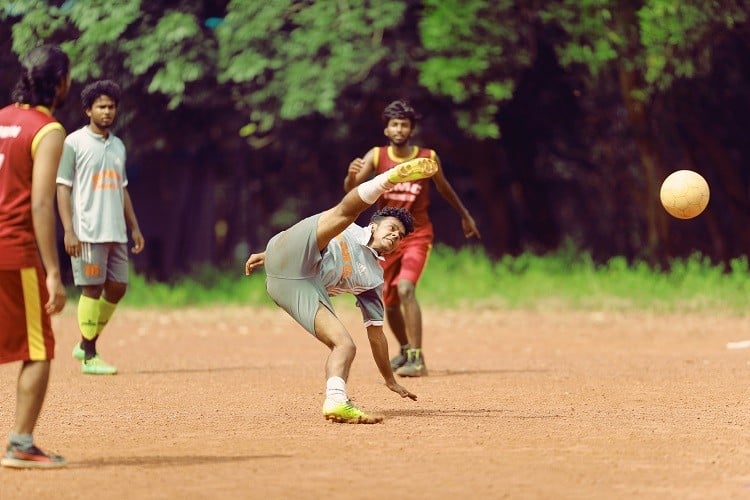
(328, 254)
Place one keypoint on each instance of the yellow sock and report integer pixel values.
(106, 309)
(88, 316)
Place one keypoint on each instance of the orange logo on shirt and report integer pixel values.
(346, 271)
(107, 179)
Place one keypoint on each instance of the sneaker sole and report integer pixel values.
(412, 170)
(99, 372)
(367, 419)
(406, 373)
(14, 463)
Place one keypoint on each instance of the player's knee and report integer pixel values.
(406, 290)
(114, 291)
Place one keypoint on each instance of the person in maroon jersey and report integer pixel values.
(403, 267)
(31, 289)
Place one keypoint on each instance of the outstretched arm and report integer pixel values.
(446, 191)
(379, 346)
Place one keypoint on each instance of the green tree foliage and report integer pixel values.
(289, 59)
(162, 47)
(664, 40)
(475, 51)
(555, 119)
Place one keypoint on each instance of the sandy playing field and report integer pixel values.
(225, 403)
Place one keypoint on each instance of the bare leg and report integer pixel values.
(334, 220)
(30, 392)
(396, 322)
(412, 313)
(330, 331)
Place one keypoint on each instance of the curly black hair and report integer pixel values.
(400, 109)
(399, 213)
(95, 90)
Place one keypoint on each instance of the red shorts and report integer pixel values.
(406, 263)
(25, 328)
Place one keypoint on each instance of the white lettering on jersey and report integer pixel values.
(9, 131)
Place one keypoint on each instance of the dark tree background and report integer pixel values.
(556, 120)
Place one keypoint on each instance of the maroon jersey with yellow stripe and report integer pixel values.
(413, 195)
(21, 129)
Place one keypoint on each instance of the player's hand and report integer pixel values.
(138, 241)
(401, 391)
(72, 244)
(57, 295)
(355, 167)
(470, 227)
(254, 261)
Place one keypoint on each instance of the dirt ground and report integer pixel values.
(225, 403)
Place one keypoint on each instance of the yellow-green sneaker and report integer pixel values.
(413, 170)
(79, 353)
(97, 366)
(348, 413)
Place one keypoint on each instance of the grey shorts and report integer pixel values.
(100, 262)
(292, 264)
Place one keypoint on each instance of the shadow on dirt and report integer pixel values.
(472, 413)
(452, 373)
(166, 461)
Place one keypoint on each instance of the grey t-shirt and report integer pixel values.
(94, 168)
(299, 277)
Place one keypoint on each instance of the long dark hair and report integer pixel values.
(42, 69)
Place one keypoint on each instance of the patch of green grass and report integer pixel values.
(468, 278)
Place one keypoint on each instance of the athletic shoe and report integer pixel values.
(414, 366)
(30, 458)
(399, 360)
(347, 413)
(97, 366)
(413, 170)
(79, 353)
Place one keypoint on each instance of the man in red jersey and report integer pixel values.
(403, 267)
(31, 142)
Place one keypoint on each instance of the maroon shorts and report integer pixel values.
(25, 328)
(406, 263)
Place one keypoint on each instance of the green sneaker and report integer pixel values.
(413, 170)
(414, 366)
(400, 360)
(79, 353)
(347, 413)
(97, 366)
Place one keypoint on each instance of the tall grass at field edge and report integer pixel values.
(468, 278)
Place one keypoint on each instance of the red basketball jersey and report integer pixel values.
(21, 129)
(413, 195)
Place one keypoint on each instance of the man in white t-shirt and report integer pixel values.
(95, 210)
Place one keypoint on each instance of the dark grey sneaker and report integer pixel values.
(414, 366)
(400, 360)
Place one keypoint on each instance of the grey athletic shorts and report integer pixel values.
(292, 264)
(100, 262)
